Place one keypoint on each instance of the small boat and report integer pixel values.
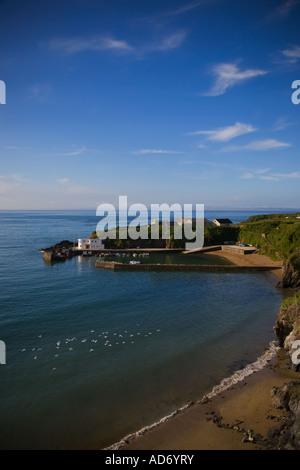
(134, 262)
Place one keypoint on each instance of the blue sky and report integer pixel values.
(162, 101)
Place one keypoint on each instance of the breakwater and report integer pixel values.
(115, 266)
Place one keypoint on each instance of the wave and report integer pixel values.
(225, 384)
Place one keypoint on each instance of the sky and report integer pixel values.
(166, 101)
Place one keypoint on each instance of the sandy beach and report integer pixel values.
(240, 418)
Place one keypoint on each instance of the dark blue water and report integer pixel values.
(93, 355)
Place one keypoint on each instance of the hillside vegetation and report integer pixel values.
(277, 235)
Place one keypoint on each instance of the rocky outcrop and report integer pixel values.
(290, 277)
(59, 252)
(287, 325)
(287, 329)
(288, 398)
(65, 244)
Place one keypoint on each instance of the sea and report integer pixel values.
(94, 355)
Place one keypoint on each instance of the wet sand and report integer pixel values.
(223, 422)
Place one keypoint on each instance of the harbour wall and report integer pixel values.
(181, 267)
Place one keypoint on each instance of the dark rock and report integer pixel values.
(287, 326)
(290, 277)
(65, 244)
(281, 397)
(288, 397)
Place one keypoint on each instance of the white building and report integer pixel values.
(90, 244)
(222, 222)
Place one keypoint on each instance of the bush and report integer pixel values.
(290, 301)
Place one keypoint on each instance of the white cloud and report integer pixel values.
(224, 134)
(14, 177)
(154, 151)
(261, 171)
(269, 178)
(169, 42)
(258, 145)
(9, 182)
(295, 174)
(229, 75)
(269, 144)
(247, 176)
(6, 187)
(281, 124)
(293, 54)
(188, 7)
(73, 153)
(63, 180)
(98, 43)
(14, 147)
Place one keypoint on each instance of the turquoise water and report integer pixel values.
(93, 355)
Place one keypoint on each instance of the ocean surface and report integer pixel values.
(94, 355)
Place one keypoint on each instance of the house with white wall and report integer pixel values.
(90, 244)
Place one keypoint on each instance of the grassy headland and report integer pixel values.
(277, 235)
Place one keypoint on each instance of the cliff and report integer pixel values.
(287, 324)
(278, 236)
(290, 277)
(287, 329)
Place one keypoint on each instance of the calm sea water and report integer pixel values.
(93, 355)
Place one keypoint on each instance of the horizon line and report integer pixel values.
(259, 209)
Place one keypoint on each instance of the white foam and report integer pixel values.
(240, 375)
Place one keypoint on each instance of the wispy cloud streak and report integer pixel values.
(229, 75)
(292, 54)
(259, 145)
(70, 46)
(225, 134)
(97, 43)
